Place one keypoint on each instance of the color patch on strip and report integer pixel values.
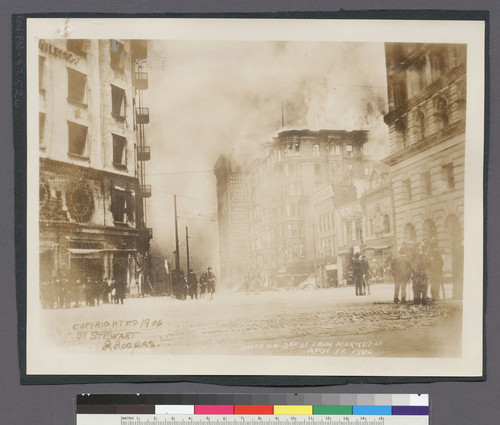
(372, 410)
(410, 410)
(332, 410)
(253, 410)
(174, 409)
(293, 410)
(212, 409)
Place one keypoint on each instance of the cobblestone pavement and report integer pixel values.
(319, 322)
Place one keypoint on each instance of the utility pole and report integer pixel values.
(187, 249)
(315, 258)
(177, 258)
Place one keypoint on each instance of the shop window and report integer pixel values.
(119, 151)
(77, 139)
(117, 55)
(77, 86)
(117, 102)
(79, 47)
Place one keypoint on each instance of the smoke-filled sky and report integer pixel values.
(208, 98)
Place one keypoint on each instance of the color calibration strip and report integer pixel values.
(296, 404)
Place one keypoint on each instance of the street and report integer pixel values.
(329, 322)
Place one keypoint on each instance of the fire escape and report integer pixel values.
(143, 151)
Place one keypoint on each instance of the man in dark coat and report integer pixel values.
(401, 270)
(357, 273)
(420, 265)
(436, 272)
(192, 283)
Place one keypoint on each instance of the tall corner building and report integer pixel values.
(92, 154)
(232, 213)
(427, 96)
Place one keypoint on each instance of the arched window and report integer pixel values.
(410, 233)
(430, 231)
(419, 125)
(441, 114)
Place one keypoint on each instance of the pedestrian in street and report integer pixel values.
(211, 282)
(192, 283)
(436, 271)
(366, 275)
(401, 271)
(203, 284)
(357, 273)
(420, 267)
(121, 287)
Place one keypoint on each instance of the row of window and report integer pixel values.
(430, 68)
(421, 127)
(78, 142)
(292, 149)
(447, 180)
(327, 248)
(326, 223)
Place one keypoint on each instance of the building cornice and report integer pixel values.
(426, 143)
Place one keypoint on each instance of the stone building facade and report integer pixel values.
(426, 119)
(90, 199)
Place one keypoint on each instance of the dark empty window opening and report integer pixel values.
(427, 183)
(441, 113)
(119, 151)
(118, 102)
(78, 47)
(41, 73)
(400, 93)
(407, 189)
(77, 86)
(449, 175)
(117, 55)
(77, 139)
(419, 125)
(41, 129)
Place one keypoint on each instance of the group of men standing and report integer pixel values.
(63, 292)
(424, 266)
(361, 274)
(190, 286)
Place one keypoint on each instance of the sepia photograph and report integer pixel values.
(255, 197)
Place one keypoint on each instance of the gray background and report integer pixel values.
(452, 402)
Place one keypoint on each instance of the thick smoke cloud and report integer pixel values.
(208, 98)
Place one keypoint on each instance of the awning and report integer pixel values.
(331, 267)
(81, 251)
